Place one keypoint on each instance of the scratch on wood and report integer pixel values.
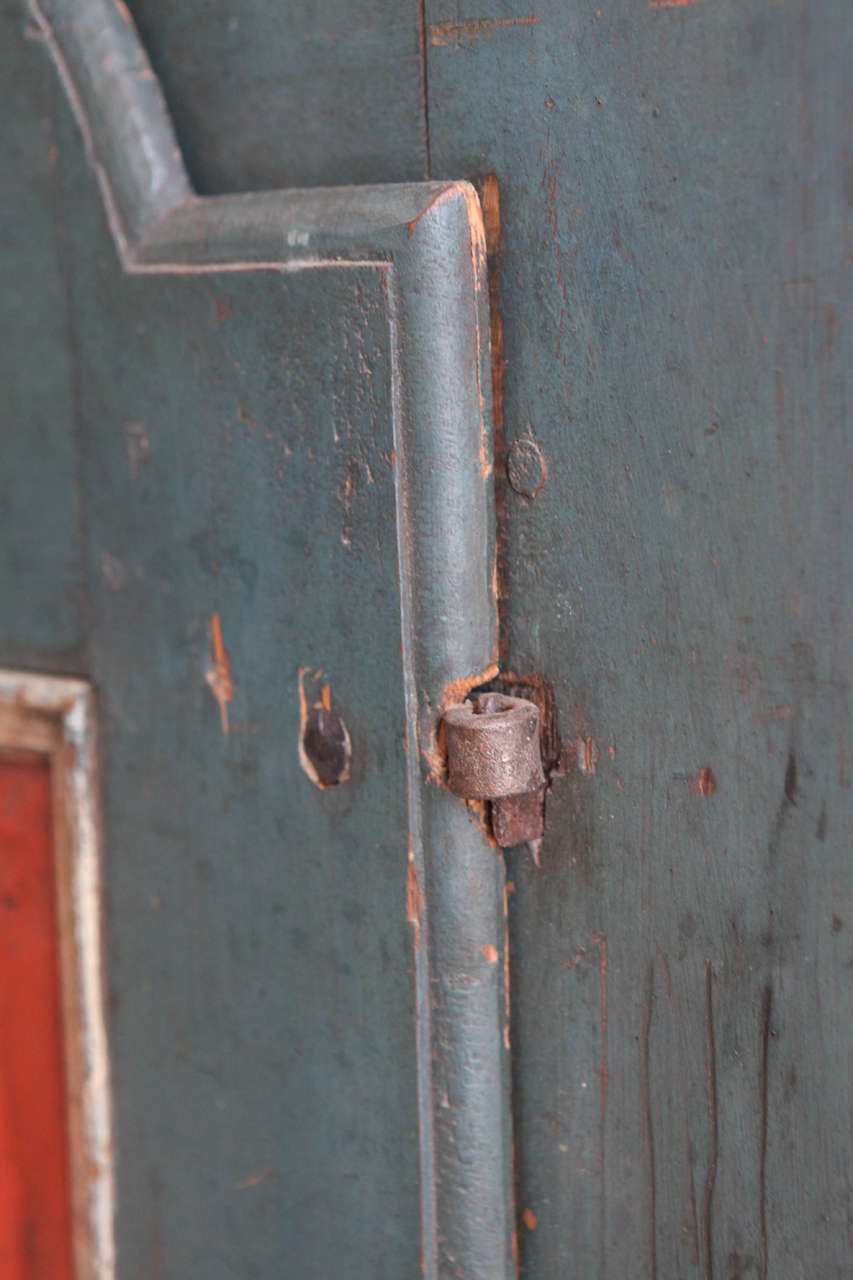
(766, 1010)
(648, 1121)
(713, 1124)
(445, 33)
(219, 675)
(255, 1179)
(414, 900)
(587, 755)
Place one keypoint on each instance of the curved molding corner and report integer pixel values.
(429, 239)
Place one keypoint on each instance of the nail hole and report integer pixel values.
(326, 750)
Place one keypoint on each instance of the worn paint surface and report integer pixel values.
(669, 262)
(417, 380)
(35, 1217)
(674, 283)
(243, 1041)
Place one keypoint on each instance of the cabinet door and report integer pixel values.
(263, 522)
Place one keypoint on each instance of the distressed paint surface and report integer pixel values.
(437, 425)
(260, 955)
(673, 270)
(674, 321)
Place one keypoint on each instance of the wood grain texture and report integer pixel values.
(674, 274)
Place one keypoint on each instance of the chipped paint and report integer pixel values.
(440, 34)
(414, 900)
(255, 1179)
(218, 676)
(587, 755)
(457, 690)
(321, 703)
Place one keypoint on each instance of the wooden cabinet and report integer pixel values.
(356, 357)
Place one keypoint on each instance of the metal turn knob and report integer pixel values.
(494, 753)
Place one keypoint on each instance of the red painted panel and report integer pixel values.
(35, 1220)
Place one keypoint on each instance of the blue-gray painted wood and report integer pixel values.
(317, 93)
(41, 587)
(422, 249)
(674, 276)
(672, 282)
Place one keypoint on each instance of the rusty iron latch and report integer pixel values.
(494, 753)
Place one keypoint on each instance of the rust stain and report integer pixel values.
(440, 34)
(530, 1220)
(219, 675)
(414, 899)
(326, 697)
(490, 953)
(672, 4)
(706, 784)
(222, 309)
